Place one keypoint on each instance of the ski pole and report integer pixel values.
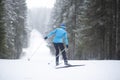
(34, 52)
(58, 55)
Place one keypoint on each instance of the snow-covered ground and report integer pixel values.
(38, 69)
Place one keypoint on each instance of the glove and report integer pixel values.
(66, 46)
(45, 37)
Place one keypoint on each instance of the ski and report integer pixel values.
(68, 66)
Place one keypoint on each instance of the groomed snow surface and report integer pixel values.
(39, 69)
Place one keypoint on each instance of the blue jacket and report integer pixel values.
(60, 35)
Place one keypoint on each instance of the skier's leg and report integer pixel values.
(57, 53)
(63, 53)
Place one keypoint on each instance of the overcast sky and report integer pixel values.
(40, 3)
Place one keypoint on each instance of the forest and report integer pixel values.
(13, 33)
(92, 25)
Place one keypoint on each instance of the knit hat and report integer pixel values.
(63, 26)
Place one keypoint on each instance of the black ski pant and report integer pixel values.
(60, 46)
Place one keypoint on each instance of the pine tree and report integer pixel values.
(12, 27)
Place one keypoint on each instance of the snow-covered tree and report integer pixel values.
(93, 27)
(12, 28)
(38, 18)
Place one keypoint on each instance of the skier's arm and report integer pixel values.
(51, 33)
(66, 39)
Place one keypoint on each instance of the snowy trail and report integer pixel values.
(38, 69)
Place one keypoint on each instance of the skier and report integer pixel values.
(60, 36)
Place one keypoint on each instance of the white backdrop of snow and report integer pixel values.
(38, 49)
(38, 69)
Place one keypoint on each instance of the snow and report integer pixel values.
(38, 69)
(40, 3)
(38, 49)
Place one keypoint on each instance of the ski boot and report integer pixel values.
(66, 63)
(57, 63)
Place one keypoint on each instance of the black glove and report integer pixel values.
(66, 46)
(45, 37)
